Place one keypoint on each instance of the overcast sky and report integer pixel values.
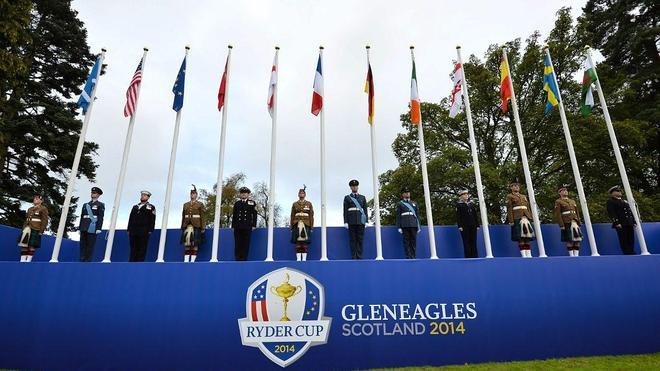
(254, 28)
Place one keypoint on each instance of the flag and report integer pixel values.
(550, 85)
(505, 84)
(86, 95)
(317, 97)
(132, 92)
(415, 110)
(222, 91)
(369, 89)
(272, 87)
(588, 79)
(456, 96)
(258, 304)
(179, 87)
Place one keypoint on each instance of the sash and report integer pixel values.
(357, 204)
(94, 218)
(412, 209)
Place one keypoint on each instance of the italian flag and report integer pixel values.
(587, 91)
(415, 110)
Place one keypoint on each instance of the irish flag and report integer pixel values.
(505, 83)
(317, 96)
(588, 79)
(415, 111)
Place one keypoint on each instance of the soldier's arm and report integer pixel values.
(557, 212)
(611, 211)
(458, 215)
(509, 209)
(202, 216)
(346, 206)
(44, 220)
(254, 216)
(577, 213)
(476, 215)
(293, 214)
(234, 214)
(152, 221)
(398, 214)
(365, 206)
(99, 220)
(311, 215)
(183, 217)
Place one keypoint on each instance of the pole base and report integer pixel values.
(269, 260)
(595, 254)
(434, 257)
(160, 261)
(379, 258)
(324, 258)
(543, 256)
(53, 261)
(489, 256)
(105, 261)
(214, 260)
(645, 253)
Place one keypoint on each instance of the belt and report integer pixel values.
(568, 212)
(353, 209)
(407, 213)
(302, 214)
(194, 216)
(520, 207)
(36, 219)
(85, 217)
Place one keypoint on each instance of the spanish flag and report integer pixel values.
(415, 111)
(505, 83)
(369, 89)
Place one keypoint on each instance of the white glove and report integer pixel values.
(99, 231)
(419, 230)
(400, 230)
(346, 225)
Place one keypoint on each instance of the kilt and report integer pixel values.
(29, 238)
(572, 233)
(301, 234)
(191, 237)
(517, 232)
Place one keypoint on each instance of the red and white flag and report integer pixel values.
(222, 92)
(272, 88)
(132, 92)
(456, 96)
(317, 97)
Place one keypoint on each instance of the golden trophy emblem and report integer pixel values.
(285, 291)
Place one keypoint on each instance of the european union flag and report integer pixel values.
(86, 95)
(550, 85)
(179, 86)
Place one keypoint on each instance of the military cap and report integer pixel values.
(145, 193)
(562, 186)
(353, 183)
(405, 190)
(244, 190)
(463, 191)
(514, 181)
(194, 189)
(615, 188)
(97, 190)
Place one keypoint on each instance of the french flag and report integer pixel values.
(317, 97)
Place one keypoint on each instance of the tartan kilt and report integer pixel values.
(196, 239)
(32, 240)
(516, 231)
(568, 236)
(295, 234)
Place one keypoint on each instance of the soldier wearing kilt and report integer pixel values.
(192, 226)
(302, 221)
(567, 215)
(519, 216)
(35, 224)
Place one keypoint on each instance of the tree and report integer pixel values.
(261, 195)
(448, 150)
(45, 60)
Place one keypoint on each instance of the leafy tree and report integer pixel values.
(44, 62)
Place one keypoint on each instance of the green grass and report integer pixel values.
(609, 363)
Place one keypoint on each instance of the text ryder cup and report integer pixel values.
(382, 313)
(267, 332)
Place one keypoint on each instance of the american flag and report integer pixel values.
(258, 308)
(132, 92)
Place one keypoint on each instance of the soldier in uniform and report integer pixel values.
(35, 224)
(302, 221)
(141, 223)
(192, 226)
(623, 220)
(91, 221)
(568, 217)
(407, 221)
(355, 218)
(468, 222)
(243, 221)
(519, 216)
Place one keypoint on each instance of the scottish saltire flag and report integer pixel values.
(550, 85)
(588, 79)
(222, 91)
(415, 108)
(456, 96)
(179, 87)
(272, 87)
(369, 89)
(86, 95)
(258, 308)
(317, 96)
(505, 83)
(132, 91)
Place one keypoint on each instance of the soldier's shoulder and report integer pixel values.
(251, 203)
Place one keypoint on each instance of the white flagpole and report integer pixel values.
(374, 171)
(74, 168)
(273, 144)
(574, 165)
(122, 171)
(170, 179)
(619, 161)
(425, 180)
(221, 166)
(525, 162)
(475, 159)
(324, 240)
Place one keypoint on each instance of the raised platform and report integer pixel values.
(186, 316)
(448, 243)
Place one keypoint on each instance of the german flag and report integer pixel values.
(369, 89)
(505, 83)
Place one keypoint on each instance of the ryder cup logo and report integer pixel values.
(284, 312)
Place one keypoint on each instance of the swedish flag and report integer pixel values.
(179, 86)
(550, 85)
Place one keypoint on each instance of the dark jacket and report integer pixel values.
(404, 217)
(619, 211)
(142, 219)
(98, 209)
(466, 215)
(352, 214)
(244, 215)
